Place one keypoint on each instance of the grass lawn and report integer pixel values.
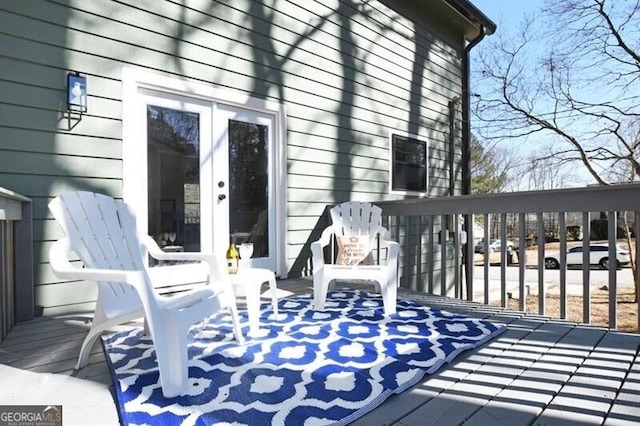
(627, 308)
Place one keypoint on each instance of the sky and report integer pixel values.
(507, 13)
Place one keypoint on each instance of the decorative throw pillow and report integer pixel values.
(354, 250)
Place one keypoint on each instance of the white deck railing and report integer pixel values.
(437, 258)
(16, 277)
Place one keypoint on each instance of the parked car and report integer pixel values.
(598, 255)
(494, 246)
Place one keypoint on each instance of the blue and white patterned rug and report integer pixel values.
(307, 368)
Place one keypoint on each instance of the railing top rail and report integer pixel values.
(6, 193)
(623, 197)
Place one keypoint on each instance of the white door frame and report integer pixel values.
(223, 113)
(140, 190)
(134, 145)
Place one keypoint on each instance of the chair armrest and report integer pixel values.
(393, 247)
(59, 261)
(393, 251)
(216, 266)
(325, 237)
(157, 253)
(317, 246)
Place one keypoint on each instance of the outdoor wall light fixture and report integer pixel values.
(76, 92)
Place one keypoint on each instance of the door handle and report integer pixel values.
(221, 197)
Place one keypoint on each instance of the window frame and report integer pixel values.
(393, 137)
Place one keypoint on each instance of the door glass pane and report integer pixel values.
(173, 149)
(248, 185)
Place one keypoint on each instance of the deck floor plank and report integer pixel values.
(588, 395)
(525, 398)
(539, 371)
(466, 399)
(626, 407)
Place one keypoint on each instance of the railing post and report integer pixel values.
(16, 256)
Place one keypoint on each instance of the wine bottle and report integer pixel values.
(232, 258)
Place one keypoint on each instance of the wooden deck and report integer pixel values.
(540, 371)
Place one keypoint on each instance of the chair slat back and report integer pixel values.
(356, 218)
(101, 230)
(102, 233)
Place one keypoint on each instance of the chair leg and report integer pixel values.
(252, 296)
(389, 298)
(172, 354)
(87, 344)
(320, 289)
(274, 296)
(236, 323)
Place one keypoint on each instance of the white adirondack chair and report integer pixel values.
(102, 232)
(364, 221)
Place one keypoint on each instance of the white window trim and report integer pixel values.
(418, 138)
(133, 79)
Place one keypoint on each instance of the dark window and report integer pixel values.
(408, 164)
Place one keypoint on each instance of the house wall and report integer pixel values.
(349, 72)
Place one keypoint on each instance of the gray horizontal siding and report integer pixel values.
(43, 186)
(349, 74)
(29, 163)
(44, 141)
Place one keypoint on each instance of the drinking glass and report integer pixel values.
(246, 251)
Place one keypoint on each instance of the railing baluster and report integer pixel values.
(636, 259)
(431, 258)
(485, 258)
(419, 253)
(404, 236)
(443, 254)
(586, 271)
(613, 268)
(469, 256)
(562, 224)
(542, 239)
(457, 251)
(503, 259)
(522, 261)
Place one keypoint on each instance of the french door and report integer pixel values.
(208, 176)
(242, 149)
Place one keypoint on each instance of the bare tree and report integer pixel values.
(492, 168)
(545, 171)
(575, 81)
(578, 83)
